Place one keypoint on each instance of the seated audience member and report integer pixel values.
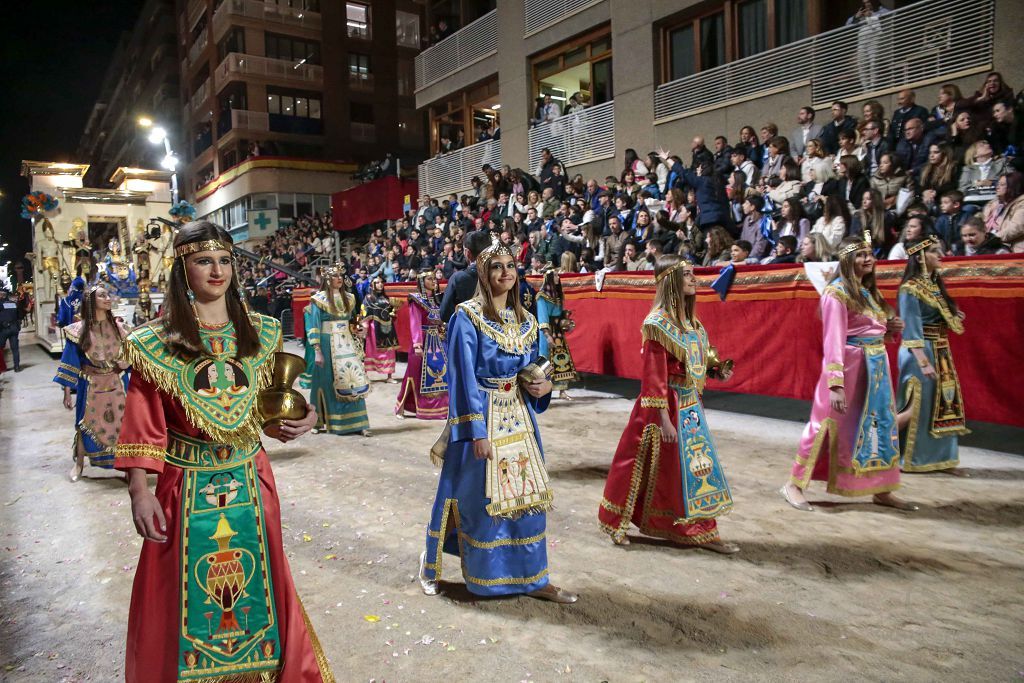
(976, 241)
(823, 185)
(847, 147)
(889, 179)
(906, 109)
(1004, 215)
(914, 227)
(840, 122)
(873, 217)
(792, 220)
(778, 152)
(757, 228)
(961, 135)
(834, 221)
(812, 152)
(741, 163)
(785, 250)
(814, 248)
(981, 168)
(871, 147)
(912, 150)
(939, 175)
(951, 217)
(788, 184)
(719, 249)
(632, 258)
(1007, 130)
(852, 182)
(739, 253)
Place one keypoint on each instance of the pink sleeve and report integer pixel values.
(415, 323)
(834, 320)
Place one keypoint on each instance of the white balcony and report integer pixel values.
(267, 67)
(197, 47)
(199, 98)
(926, 42)
(466, 46)
(576, 139)
(263, 11)
(539, 14)
(250, 120)
(453, 172)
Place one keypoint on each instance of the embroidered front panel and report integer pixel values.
(435, 364)
(510, 335)
(705, 490)
(517, 481)
(350, 383)
(948, 418)
(688, 345)
(878, 446)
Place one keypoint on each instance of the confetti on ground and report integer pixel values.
(372, 618)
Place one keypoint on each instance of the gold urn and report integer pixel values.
(279, 401)
(539, 369)
(717, 365)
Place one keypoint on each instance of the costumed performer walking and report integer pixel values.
(378, 320)
(666, 476)
(933, 417)
(334, 357)
(555, 321)
(424, 390)
(213, 597)
(851, 441)
(493, 493)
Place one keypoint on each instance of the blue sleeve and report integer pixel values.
(465, 402)
(910, 313)
(70, 366)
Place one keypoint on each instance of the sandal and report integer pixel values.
(721, 547)
(805, 506)
(553, 593)
(429, 587)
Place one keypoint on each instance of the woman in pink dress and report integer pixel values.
(851, 441)
(424, 390)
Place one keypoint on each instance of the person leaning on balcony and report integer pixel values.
(805, 131)
(906, 109)
(840, 122)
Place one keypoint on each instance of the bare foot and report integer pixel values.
(553, 593)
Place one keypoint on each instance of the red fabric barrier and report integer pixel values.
(300, 299)
(378, 200)
(770, 326)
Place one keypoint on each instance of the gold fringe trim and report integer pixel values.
(839, 293)
(326, 675)
(253, 677)
(251, 430)
(913, 397)
(515, 338)
(828, 428)
(139, 450)
(929, 293)
(650, 439)
(653, 402)
(542, 505)
(501, 542)
(465, 418)
(912, 343)
(507, 580)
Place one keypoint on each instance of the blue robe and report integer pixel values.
(500, 554)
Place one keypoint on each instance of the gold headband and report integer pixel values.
(337, 270)
(205, 245)
(665, 273)
(496, 249)
(922, 245)
(857, 246)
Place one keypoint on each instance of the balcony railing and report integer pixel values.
(263, 11)
(200, 96)
(575, 139)
(282, 69)
(453, 172)
(539, 14)
(250, 120)
(362, 82)
(927, 41)
(197, 47)
(195, 11)
(464, 47)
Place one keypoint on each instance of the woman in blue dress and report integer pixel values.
(555, 321)
(493, 491)
(929, 390)
(334, 359)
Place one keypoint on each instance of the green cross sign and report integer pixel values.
(262, 221)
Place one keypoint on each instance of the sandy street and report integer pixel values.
(849, 592)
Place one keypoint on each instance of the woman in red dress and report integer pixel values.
(666, 477)
(213, 598)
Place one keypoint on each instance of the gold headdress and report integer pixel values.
(496, 249)
(665, 273)
(334, 270)
(920, 248)
(857, 246)
(204, 245)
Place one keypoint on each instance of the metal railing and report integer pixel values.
(539, 14)
(931, 39)
(196, 8)
(283, 69)
(577, 138)
(197, 47)
(250, 120)
(466, 46)
(263, 11)
(199, 97)
(453, 172)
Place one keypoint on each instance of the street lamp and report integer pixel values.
(158, 135)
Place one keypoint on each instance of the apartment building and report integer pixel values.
(283, 100)
(141, 80)
(655, 73)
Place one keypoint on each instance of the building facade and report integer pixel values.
(142, 80)
(655, 73)
(283, 100)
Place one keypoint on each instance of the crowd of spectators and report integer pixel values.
(952, 171)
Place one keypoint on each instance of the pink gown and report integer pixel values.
(856, 453)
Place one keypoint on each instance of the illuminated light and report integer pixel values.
(170, 162)
(145, 122)
(496, 107)
(157, 135)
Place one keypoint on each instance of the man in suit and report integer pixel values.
(462, 284)
(806, 130)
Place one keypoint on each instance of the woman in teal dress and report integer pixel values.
(334, 359)
(555, 321)
(929, 390)
(493, 493)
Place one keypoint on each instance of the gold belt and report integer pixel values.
(935, 332)
(193, 454)
(500, 385)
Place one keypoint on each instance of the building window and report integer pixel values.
(293, 103)
(580, 67)
(681, 54)
(293, 50)
(712, 41)
(358, 66)
(406, 77)
(753, 27)
(358, 20)
(360, 113)
(407, 29)
(790, 21)
(234, 41)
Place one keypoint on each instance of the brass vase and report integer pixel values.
(279, 401)
(716, 364)
(539, 369)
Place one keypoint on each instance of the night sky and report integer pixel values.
(54, 56)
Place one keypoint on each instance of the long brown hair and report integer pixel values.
(89, 318)
(669, 293)
(325, 287)
(936, 175)
(179, 320)
(851, 283)
(915, 268)
(486, 298)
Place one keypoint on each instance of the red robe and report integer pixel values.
(645, 481)
(152, 651)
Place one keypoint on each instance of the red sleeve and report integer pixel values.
(143, 439)
(654, 382)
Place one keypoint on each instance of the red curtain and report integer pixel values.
(377, 200)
